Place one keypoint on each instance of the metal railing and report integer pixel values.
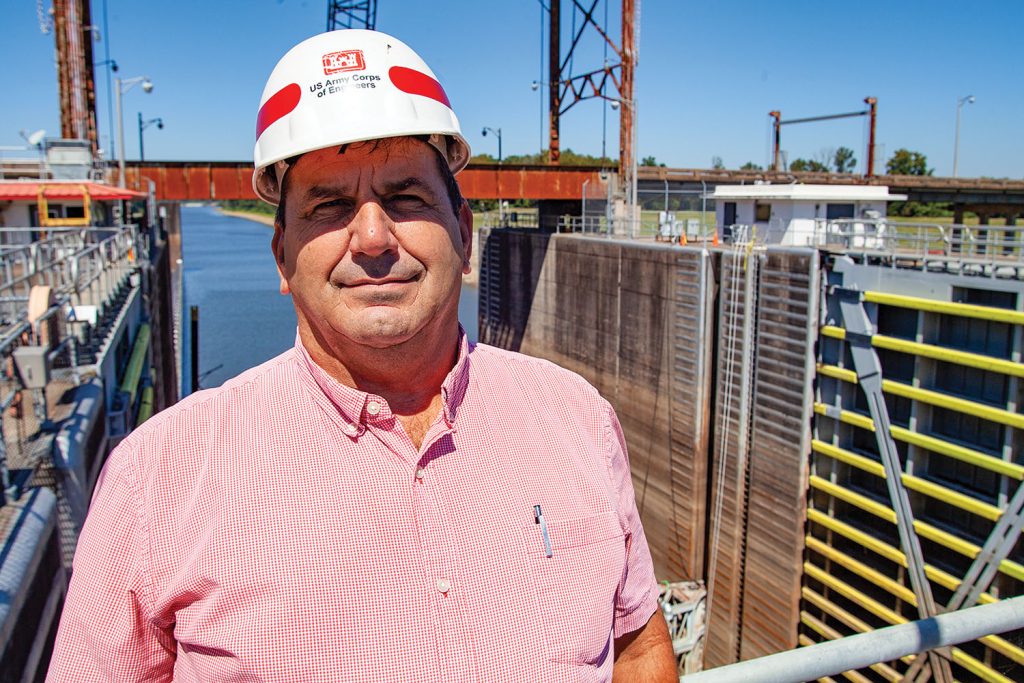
(85, 265)
(864, 649)
(644, 228)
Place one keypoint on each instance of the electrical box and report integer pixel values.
(32, 365)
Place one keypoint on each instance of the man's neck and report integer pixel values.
(409, 380)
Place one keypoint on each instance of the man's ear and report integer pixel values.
(277, 246)
(466, 232)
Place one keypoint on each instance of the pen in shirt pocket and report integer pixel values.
(538, 518)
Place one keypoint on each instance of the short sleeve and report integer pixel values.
(637, 597)
(106, 632)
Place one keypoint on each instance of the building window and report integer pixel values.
(837, 211)
(762, 213)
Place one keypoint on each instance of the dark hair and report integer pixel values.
(451, 185)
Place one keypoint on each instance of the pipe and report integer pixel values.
(776, 138)
(554, 80)
(194, 338)
(136, 363)
(861, 650)
(872, 103)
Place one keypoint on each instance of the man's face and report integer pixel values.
(371, 250)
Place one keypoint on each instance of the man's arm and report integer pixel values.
(646, 654)
(105, 630)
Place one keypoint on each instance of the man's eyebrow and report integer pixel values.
(324, 192)
(409, 183)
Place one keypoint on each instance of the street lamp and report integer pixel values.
(122, 87)
(111, 67)
(633, 191)
(497, 133)
(143, 125)
(960, 101)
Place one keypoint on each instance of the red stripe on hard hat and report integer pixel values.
(280, 103)
(417, 83)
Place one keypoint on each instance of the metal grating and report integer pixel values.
(780, 445)
(730, 456)
(692, 330)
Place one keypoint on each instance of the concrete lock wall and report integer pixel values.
(700, 380)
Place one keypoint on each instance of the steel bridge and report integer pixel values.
(217, 180)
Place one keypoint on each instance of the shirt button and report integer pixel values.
(351, 429)
(373, 408)
(443, 585)
(420, 473)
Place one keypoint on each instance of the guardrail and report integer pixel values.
(82, 264)
(992, 250)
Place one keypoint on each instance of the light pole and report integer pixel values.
(143, 125)
(633, 190)
(122, 87)
(960, 101)
(535, 86)
(111, 67)
(497, 133)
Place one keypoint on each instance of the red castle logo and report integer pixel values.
(346, 60)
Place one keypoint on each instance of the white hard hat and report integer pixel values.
(349, 86)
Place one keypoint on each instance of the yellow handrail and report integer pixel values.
(925, 530)
(934, 398)
(933, 444)
(928, 488)
(965, 358)
(1002, 315)
(44, 211)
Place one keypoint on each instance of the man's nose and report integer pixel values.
(372, 231)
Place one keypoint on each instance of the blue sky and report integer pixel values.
(709, 73)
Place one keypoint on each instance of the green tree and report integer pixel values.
(844, 161)
(716, 163)
(907, 162)
(750, 166)
(566, 158)
(808, 165)
(650, 161)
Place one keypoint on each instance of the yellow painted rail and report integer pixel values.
(933, 444)
(923, 486)
(1001, 315)
(889, 552)
(925, 530)
(898, 590)
(888, 615)
(966, 358)
(934, 398)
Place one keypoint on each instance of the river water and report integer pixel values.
(229, 272)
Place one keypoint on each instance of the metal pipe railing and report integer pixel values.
(864, 649)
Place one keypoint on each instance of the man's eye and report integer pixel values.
(407, 199)
(332, 205)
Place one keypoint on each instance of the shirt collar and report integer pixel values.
(357, 407)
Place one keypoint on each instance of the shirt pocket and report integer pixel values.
(576, 587)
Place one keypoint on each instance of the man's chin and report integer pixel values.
(382, 329)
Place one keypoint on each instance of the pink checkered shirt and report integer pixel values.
(283, 528)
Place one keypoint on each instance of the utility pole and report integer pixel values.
(872, 103)
(73, 31)
(554, 80)
(627, 120)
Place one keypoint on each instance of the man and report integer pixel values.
(384, 502)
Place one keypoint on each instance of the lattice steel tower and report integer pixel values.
(567, 88)
(351, 14)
